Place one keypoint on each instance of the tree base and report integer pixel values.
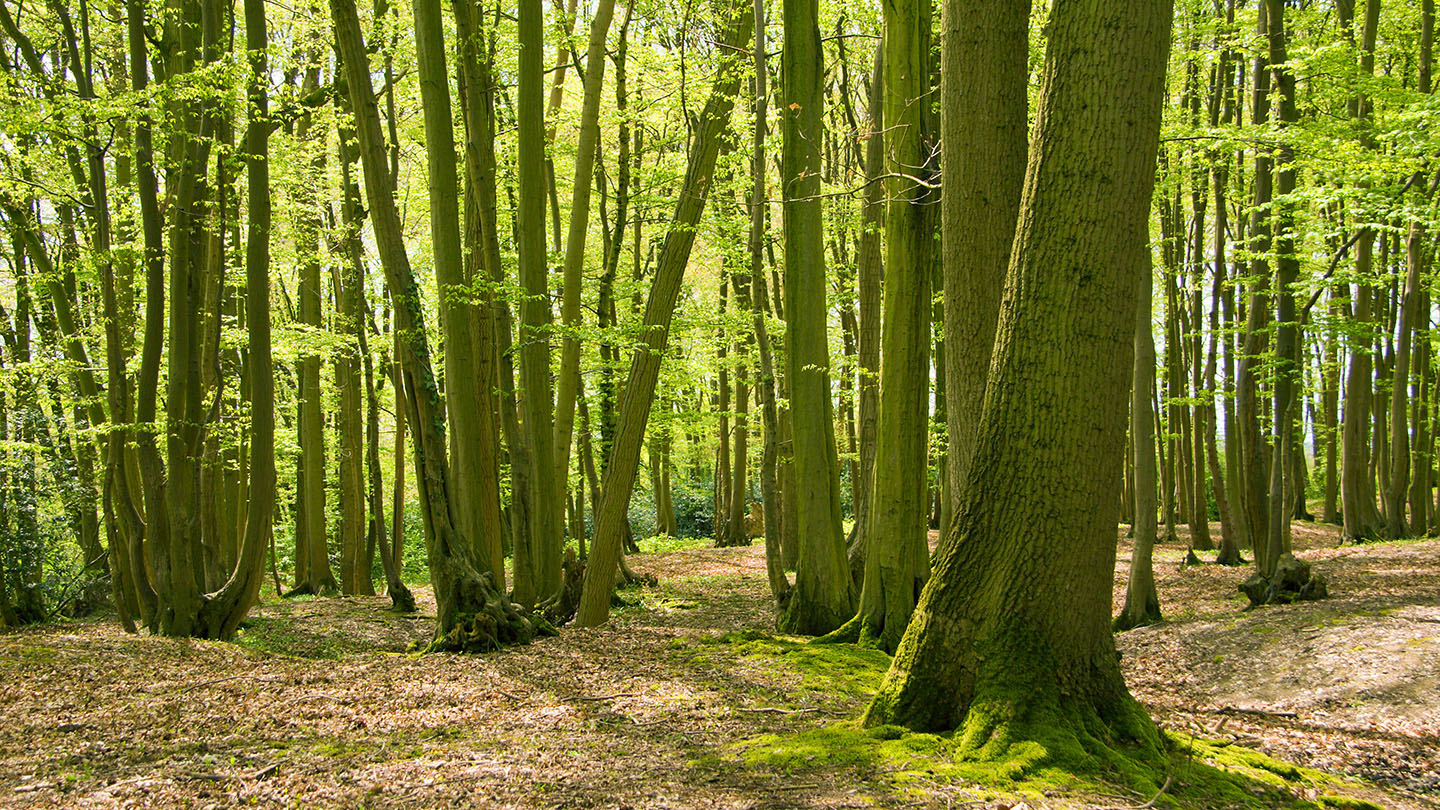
(484, 620)
(1292, 582)
(559, 609)
(1013, 732)
(1229, 555)
(401, 599)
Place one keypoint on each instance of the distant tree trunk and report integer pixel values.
(312, 560)
(377, 533)
(765, 374)
(659, 308)
(1253, 468)
(869, 263)
(1421, 458)
(1142, 603)
(1287, 339)
(722, 405)
(1011, 641)
(1330, 412)
(823, 598)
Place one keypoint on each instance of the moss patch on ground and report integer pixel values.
(843, 669)
(1194, 772)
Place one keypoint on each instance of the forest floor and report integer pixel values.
(319, 704)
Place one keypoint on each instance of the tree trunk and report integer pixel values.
(1142, 603)
(472, 613)
(823, 598)
(1011, 642)
(645, 364)
(312, 560)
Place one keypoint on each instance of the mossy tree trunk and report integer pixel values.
(897, 552)
(823, 598)
(1011, 642)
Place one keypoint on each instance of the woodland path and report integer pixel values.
(318, 706)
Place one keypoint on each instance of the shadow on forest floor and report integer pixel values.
(684, 701)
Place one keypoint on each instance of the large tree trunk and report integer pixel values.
(1011, 642)
(659, 308)
(823, 598)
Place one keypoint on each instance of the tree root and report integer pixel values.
(1292, 582)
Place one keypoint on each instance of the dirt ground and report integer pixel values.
(320, 705)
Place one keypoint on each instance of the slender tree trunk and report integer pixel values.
(659, 308)
(765, 376)
(1142, 603)
(546, 531)
(312, 560)
(589, 137)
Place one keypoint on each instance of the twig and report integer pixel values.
(1257, 712)
(773, 710)
(602, 697)
(195, 686)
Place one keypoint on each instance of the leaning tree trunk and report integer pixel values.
(1011, 642)
(645, 364)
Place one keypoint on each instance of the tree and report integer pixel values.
(823, 598)
(1142, 604)
(472, 613)
(1011, 642)
(897, 551)
(984, 81)
(545, 534)
(610, 522)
